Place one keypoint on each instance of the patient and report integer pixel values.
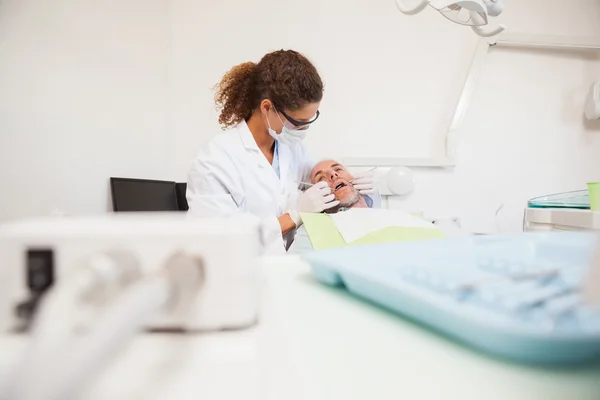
(393, 225)
(339, 180)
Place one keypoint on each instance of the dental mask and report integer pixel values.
(287, 136)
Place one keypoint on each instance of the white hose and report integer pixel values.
(56, 318)
(114, 328)
(51, 376)
(60, 364)
(50, 333)
(182, 277)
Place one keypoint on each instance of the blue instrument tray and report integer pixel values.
(517, 297)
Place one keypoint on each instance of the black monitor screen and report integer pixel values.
(143, 195)
(180, 188)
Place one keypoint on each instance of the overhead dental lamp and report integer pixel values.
(473, 13)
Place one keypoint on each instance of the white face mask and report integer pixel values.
(287, 136)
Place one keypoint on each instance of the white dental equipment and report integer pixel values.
(151, 238)
(473, 13)
(400, 181)
(91, 283)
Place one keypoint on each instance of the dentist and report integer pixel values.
(257, 165)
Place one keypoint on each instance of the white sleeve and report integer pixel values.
(211, 188)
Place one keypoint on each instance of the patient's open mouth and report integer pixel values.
(340, 185)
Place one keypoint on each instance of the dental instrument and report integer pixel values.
(308, 184)
(365, 172)
(312, 184)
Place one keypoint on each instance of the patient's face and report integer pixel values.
(338, 179)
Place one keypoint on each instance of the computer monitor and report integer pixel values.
(181, 189)
(130, 194)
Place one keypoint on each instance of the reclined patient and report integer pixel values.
(338, 178)
(359, 224)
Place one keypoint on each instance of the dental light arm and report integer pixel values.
(404, 9)
(473, 13)
(483, 33)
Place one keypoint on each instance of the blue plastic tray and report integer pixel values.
(462, 287)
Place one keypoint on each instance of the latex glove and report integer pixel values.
(315, 199)
(365, 183)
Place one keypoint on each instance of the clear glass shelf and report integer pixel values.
(578, 199)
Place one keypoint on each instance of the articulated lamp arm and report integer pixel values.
(493, 7)
(404, 9)
(483, 33)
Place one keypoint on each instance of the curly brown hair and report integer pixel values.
(285, 77)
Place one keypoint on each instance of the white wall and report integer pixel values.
(82, 76)
(524, 134)
(379, 80)
(82, 97)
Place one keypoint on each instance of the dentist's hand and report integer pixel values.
(316, 199)
(365, 183)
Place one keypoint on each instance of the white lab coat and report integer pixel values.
(231, 175)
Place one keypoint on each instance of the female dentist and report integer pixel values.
(257, 165)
